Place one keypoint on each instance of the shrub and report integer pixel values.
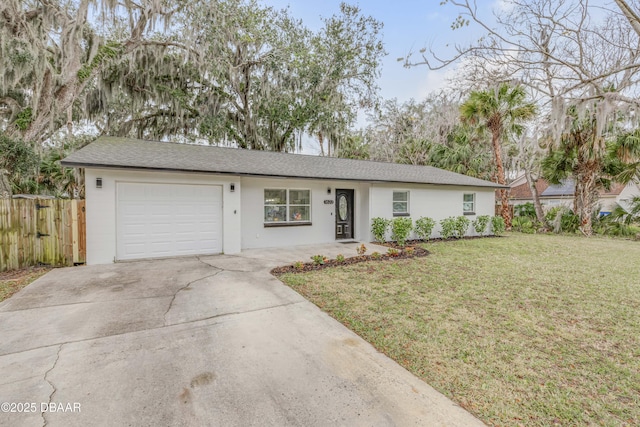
(448, 227)
(527, 210)
(523, 224)
(562, 219)
(480, 224)
(393, 252)
(497, 225)
(424, 227)
(610, 227)
(340, 258)
(400, 229)
(361, 250)
(409, 251)
(376, 255)
(379, 228)
(461, 226)
(298, 265)
(319, 259)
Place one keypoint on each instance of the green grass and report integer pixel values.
(14, 280)
(520, 330)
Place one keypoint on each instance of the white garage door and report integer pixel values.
(159, 220)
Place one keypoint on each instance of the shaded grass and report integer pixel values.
(527, 329)
(13, 281)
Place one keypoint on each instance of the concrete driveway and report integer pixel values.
(210, 341)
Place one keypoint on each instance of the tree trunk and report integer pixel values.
(505, 212)
(585, 201)
(536, 199)
(321, 142)
(633, 18)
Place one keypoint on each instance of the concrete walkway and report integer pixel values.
(207, 341)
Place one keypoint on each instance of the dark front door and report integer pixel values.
(344, 214)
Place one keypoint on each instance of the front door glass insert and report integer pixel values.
(342, 207)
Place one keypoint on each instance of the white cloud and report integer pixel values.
(435, 80)
(503, 5)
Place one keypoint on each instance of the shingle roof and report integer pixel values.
(110, 152)
(567, 187)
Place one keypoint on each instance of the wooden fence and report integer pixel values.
(41, 232)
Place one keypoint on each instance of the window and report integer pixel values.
(469, 204)
(400, 203)
(282, 206)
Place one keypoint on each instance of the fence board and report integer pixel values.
(35, 232)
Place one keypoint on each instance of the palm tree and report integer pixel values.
(461, 154)
(594, 159)
(501, 111)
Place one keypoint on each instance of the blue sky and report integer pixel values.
(408, 25)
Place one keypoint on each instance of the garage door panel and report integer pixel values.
(158, 220)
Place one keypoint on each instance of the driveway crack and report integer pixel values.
(53, 387)
(175, 294)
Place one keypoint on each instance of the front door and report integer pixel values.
(344, 214)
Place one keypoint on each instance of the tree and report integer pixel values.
(405, 132)
(353, 146)
(346, 56)
(576, 66)
(18, 161)
(218, 71)
(461, 153)
(52, 54)
(581, 155)
(500, 111)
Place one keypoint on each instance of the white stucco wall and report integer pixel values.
(322, 228)
(436, 202)
(243, 209)
(101, 207)
(630, 191)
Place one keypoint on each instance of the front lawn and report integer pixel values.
(519, 330)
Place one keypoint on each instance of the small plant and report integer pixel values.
(362, 249)
(340, 258)
(527, 210)
(424, 227)
(480, 224)
(298, 265)
(393, 252)
(410, 251)
(497, 225)
(400, 230)
(563, 220)
(319, 259)
(376, 255)
(461, 227)
(379, 228)
(448, 227)
(523, 224)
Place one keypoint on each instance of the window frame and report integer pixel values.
(473, 204)
(288, 222)
(407, 202)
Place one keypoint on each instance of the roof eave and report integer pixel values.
(73, 164)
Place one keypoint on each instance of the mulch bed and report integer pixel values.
(416, 251)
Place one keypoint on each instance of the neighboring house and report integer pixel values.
(562, 194)
(147, 199)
